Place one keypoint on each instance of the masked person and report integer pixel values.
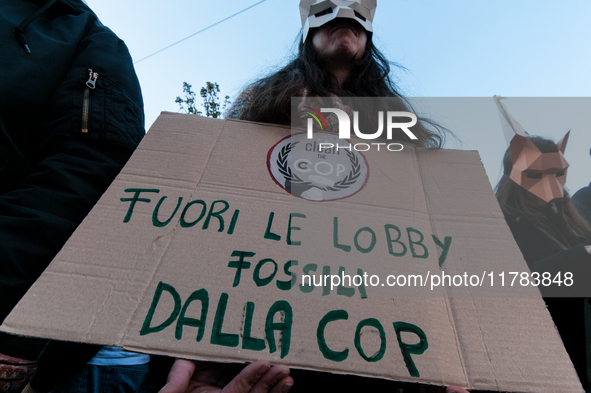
(336, 58)
(71, 114)
(551, 235)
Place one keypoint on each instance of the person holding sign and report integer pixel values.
(336, 58)
(554, 239)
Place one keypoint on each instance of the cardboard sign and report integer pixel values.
(199, 250)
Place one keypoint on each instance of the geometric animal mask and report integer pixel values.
(315, 13)
(542, 174)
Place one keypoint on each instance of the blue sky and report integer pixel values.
(454, 48)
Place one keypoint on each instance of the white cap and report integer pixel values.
(315, 13)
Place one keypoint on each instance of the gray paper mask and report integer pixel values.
(315, 13)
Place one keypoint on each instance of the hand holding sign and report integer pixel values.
(188, 376)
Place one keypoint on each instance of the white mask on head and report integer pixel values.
(315, 13)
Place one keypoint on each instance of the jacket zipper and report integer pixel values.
(90, 85)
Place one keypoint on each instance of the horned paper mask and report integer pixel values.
(542, 174)
(315, 13)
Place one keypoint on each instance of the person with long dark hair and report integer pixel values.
(553, 238)
(336, 59)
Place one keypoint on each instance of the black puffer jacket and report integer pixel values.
(62, 142)
(71, 114)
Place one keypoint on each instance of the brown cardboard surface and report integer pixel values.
(101, 287)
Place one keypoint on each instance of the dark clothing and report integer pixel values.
(59, 361)
(543, 254)
(51, 172)
(71, 114)
(582, 201)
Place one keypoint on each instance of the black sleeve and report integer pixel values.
(36, 220)
(38, 216)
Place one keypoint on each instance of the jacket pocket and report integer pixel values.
(104, 111)
(86, 100)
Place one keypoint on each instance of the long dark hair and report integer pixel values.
(270, 100)
(564, 224)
